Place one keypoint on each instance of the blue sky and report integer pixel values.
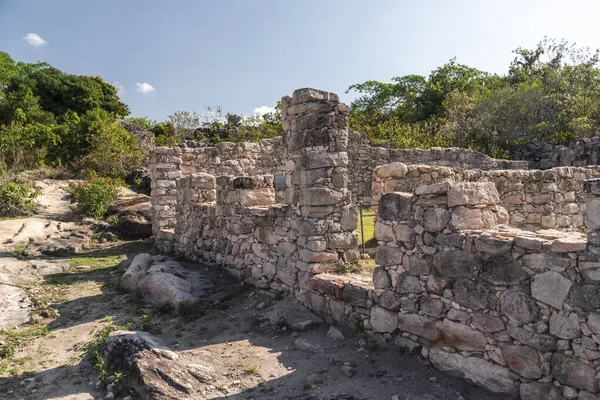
(245, 54)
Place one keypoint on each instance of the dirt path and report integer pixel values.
(59, 304)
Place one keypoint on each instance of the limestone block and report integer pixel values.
(383, 232)
(392, 170)
(395, 206)
(462, 337)
(472, 194)
(486, 374)
(435, 219)
(383, 320)
(518, 306)
(568, 370)
(419, 325)
(551, 288)
(524, 360)
(455, 264)
(565, 325)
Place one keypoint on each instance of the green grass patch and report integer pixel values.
(94, 348)
(96, 263)
(368, 226)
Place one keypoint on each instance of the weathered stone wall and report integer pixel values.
(534, 199)
(541, 155)
(236, 223)
(268, 156)
(513, 311)
(364, 158)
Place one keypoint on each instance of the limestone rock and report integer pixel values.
(381, 279)
(162, 281)
(482, 373)
(543, 343)
(462, 337)
(390, 300)
(542, 262)
(518, 306)
(551, 288)
(565, 325)
(383, 320)
(524, 360)
(395, 206)
(419, 325)
(148, 366)
(493, 245)
(435, 219)
(538, 391)
(474, 294)
(416, 265)
(502, 270)
(587, 297)
(388, 256)
(488, 323)
(593, 322)
(464, 218)
(570, 371)
(566, 245)
(392, 170)
(456, 264)
(407, 346)
(472, 194)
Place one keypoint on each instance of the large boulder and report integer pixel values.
(159, 280)
(148, 366)
(135, 216)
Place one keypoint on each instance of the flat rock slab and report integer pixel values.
(15, 305)
(293, 315)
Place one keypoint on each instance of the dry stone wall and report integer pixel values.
(364, 159)
(516, 312)
(513, 311)
(236, 223)
(534, 199)
(268, 156)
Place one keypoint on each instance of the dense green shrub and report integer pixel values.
(17, 197)
(94, 196)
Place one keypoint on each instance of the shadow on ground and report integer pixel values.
(226, 331)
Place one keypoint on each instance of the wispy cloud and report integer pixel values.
(144, 87)
(120, 88)
(34, 39)
(264, 110)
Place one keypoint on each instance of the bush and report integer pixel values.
(17, 197)
(94, 196)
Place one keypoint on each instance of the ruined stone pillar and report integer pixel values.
(165, 168)
(591, 192)
(316, 139)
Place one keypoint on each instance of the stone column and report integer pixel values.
(165, 168)
(316, 139)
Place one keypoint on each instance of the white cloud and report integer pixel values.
(120, 88)
(34, 39)
(264, 110)
(144, 87)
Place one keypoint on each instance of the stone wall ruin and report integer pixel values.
(512, 310)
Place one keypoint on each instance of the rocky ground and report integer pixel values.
(59, 291)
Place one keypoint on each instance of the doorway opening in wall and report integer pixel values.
(367, 215)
